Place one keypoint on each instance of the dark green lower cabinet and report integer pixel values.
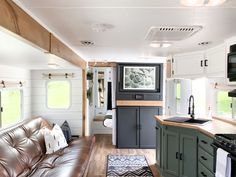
(171, 152)
(159, 147)
(178, 153)
(188, 154)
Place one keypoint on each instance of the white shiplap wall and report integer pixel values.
(15, 74)
(39, 108)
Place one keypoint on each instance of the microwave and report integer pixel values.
(231, 63)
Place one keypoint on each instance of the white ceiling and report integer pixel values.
(71, 20)
(15, 52)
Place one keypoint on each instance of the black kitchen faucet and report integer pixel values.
(191, 113)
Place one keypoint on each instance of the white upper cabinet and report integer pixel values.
(216, 61)
(210, 63)
(188, 65)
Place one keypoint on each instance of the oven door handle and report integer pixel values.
(232, 157)
(214, 146)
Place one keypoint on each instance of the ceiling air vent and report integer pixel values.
(171, 33)
(87, 43)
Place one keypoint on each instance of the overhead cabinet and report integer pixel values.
(136, 126)
(196, 64)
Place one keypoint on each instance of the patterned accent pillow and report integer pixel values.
(54, 139)
(66, 131)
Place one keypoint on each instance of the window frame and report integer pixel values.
(177, 100)
(216, 106)
(21, 104)
(70, 94)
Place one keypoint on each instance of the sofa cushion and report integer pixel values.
(54, 139)
(21, 147)
(68, 162)
(66, 131)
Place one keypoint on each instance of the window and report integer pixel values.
(58, 94)
(178, 96)
(224, 104)
(11, 106)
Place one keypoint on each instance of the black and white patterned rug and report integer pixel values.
(127, 165)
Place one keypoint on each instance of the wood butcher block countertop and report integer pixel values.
(215, 126)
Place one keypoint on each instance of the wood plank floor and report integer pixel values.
(104, 147)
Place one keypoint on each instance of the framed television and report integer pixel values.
(139, 77)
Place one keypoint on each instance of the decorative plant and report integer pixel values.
(89, 75)
(90, 94)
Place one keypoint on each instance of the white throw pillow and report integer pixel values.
(54, 139)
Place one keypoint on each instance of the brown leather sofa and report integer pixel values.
(22, 153)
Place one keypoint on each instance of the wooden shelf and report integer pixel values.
(138, 103)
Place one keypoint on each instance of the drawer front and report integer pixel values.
(205, 143)
(203, 171)
(206, 159)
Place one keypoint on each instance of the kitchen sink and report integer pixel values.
(187, 120)
(196, 121)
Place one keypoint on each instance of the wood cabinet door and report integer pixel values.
(127, 123)
(171, 153)
(188, 154)
(147, 126)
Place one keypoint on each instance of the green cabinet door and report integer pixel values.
(188, 155)
(171, 153)
(159, 146)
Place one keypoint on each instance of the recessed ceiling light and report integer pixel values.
(202, 2)
(155, 45)
(160, 45)
(165, 45)
(53, 65)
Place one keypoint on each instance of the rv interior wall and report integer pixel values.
(39, 106)
(8, 73)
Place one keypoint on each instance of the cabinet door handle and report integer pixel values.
(180, 156)
(203, 158)
(205, 63)
(157, 128)
(201, 63)
(203, 174)
(177, 155)
(204, 142)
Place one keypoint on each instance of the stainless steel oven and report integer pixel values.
(228, 143)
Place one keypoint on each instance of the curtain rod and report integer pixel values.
(11, 84)
(50, 75)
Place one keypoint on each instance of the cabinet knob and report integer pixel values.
(177, 155)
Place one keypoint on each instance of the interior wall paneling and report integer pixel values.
(17, 74)
(74, 114)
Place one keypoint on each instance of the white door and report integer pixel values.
(188, 65)
(216, 61)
